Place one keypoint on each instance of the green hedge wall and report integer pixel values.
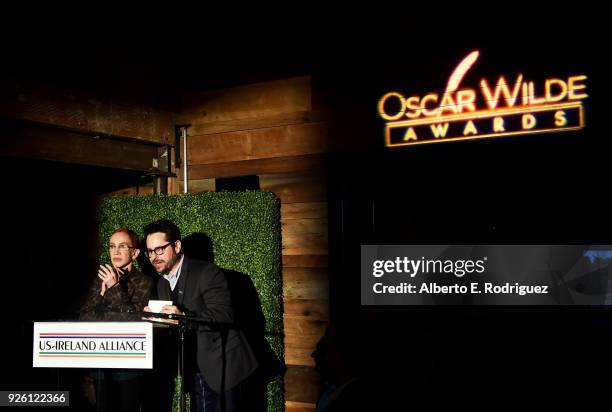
(244, 228)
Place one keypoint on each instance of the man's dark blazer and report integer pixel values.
(203, 292)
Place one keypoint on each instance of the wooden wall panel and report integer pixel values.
(292, 406)
(305, 283)
(197, 186)
(305, 261)
(295, 187)
(301, 325)
(63, 108)
(305, 210)
(37, 142)
(270, 142)
(302, 384)
(308, 244)
(313, 308)
(287, 164)
(270, 130)
(304, 226)
(301, 335)
(248, 102)
(252, 123)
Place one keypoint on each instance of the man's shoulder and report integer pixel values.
(197, 265)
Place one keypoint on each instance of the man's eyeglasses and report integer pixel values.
(122, 247)
(158, 250)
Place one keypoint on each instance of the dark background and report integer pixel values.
(524, 189)
(539, 189)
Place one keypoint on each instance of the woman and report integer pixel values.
(119, 293)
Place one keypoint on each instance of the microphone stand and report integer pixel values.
(182, 322)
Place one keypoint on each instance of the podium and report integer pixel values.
(114, 345)
(182, 323)
(126, 345)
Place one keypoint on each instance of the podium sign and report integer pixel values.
(127, 345)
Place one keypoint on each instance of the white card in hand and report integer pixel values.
(157, 305)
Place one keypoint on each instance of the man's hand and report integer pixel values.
(109, 276)
(169, 309)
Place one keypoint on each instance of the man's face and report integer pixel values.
(164, 262)
(120, 250)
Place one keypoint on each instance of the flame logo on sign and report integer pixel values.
(459, 73)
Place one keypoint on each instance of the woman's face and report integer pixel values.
(120, 250)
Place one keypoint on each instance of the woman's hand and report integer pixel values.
(109, 276)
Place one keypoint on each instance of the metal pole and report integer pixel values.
(184, 159)
(182, 327)
(161, 185)
(160, 164)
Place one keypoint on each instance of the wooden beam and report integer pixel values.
(265, 99)
(283, 119)
(285, 164)
(60, 107)
(35, 142)
(271, 142)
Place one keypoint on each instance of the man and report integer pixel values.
(338, 359)
(118, 293)
(197, 288)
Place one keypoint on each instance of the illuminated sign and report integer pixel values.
(495, 109)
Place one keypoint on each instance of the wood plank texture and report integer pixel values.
(271, 142)
(302, 384)
(257, 100)
(77, 112)
(286, 164)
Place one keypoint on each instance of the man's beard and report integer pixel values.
(168, 267)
